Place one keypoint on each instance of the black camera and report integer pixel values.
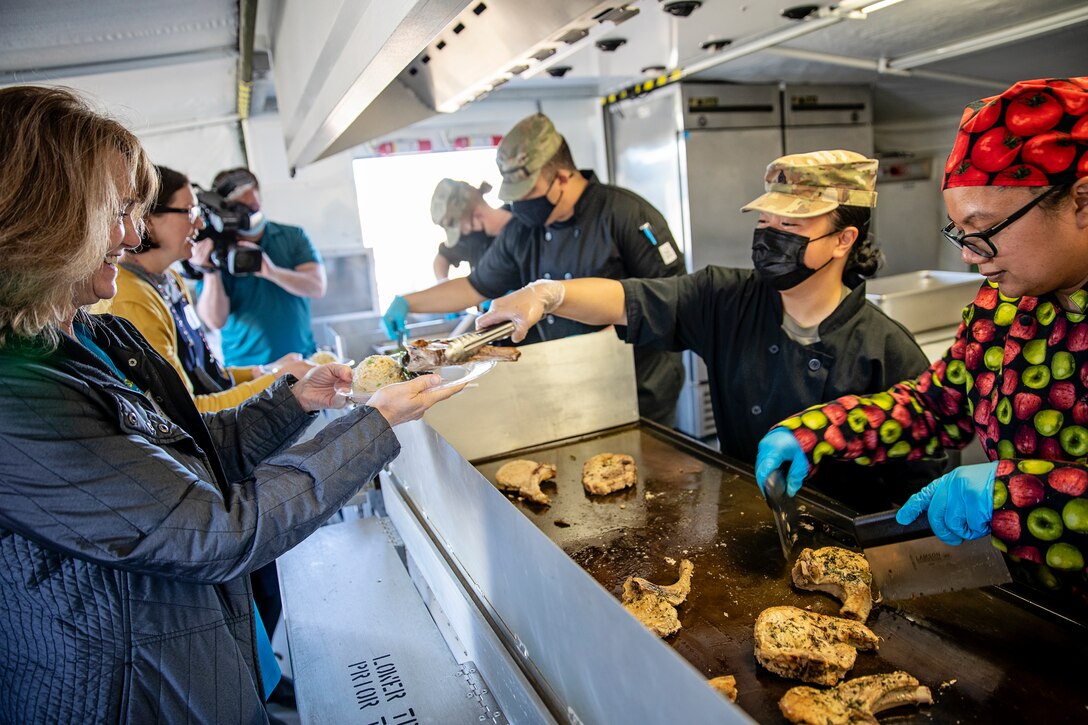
(222, 221)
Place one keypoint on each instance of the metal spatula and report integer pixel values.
(909, 561)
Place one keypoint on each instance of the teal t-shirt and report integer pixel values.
(266, 321)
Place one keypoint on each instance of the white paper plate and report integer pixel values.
(456, 374)
(451, 375)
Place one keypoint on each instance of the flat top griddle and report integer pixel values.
(985, 658)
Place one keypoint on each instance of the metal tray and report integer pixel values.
(985, 658)
(924, 300)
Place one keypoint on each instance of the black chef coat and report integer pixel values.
(758, 375)
(601, 239)
(469, 248)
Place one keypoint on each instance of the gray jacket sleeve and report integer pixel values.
(73, 479)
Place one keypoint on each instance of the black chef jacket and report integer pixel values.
(758, 375)
(469, 248)
(601, 239)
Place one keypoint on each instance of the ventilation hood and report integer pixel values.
(421, 66)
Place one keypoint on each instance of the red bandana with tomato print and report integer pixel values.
(1034, 134)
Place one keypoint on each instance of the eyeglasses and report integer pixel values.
(980, 243)
(194, 212)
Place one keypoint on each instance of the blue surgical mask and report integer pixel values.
(534, 212)
(779, 257)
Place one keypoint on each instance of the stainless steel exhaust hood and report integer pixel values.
(486, 43)
(489, 44)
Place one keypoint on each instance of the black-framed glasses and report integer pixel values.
(193, 212)
(980, 243)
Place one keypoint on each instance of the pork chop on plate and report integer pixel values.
(855, 701)
(839, 572)
(807, 646)
(426, 355)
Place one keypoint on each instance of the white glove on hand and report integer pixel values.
(525, 307)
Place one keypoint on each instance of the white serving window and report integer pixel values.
(395, 212)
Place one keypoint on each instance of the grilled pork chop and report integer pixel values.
(808, 646)
(524, 477)
(839, 572)
(424, 355)
(655, 604)
(608, 472)
(855, 701)
(727, 685)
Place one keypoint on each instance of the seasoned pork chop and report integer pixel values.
(608, 472)
(808, 646)
(855, 701)
(655, 604)
(839, 572)
(524, 477)
(727, 685)
(424, 355)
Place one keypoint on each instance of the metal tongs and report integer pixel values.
(462, 347)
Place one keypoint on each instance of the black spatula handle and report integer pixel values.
(882, 528)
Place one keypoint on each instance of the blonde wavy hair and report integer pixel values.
(66, 174)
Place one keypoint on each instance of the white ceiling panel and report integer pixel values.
(37, 35)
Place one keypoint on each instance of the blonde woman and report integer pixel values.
(129, 520)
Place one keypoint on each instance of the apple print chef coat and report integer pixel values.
(733, 321)
(1017, 377)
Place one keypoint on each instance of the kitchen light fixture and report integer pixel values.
(681, 8)
(610, 44)
(558, 71)
(715, 45)
(800, 12)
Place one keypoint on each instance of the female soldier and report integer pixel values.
(796, 328)
(153, 297)
(129, 520)
(1016, 188)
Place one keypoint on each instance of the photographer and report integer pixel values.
(264, 314)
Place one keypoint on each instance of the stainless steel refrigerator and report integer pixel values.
(698, 152)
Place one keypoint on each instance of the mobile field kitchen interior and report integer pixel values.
(435, 598)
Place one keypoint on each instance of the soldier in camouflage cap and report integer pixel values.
(523, 153)
(451, 202)
(801, 186)
(775, 338)
(471, 224)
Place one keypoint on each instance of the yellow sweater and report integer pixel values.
(140, 304)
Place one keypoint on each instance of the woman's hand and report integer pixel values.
(403, 402)
(524, 307)
(322, 387)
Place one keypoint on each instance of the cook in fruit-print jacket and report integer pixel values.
(1017, 377)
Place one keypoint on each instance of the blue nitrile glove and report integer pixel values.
(395, 318)
(960, 503)
(776, 449)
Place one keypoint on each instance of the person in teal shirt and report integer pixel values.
(265, 315)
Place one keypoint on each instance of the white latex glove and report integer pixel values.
(525, 307)
(407, 401)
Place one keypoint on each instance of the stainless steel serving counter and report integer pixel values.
(527, 596)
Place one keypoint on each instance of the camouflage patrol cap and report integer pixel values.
(450, 201)
(815, 183)
(523, 152)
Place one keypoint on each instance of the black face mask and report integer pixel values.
(534, 212)
(779, 257)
